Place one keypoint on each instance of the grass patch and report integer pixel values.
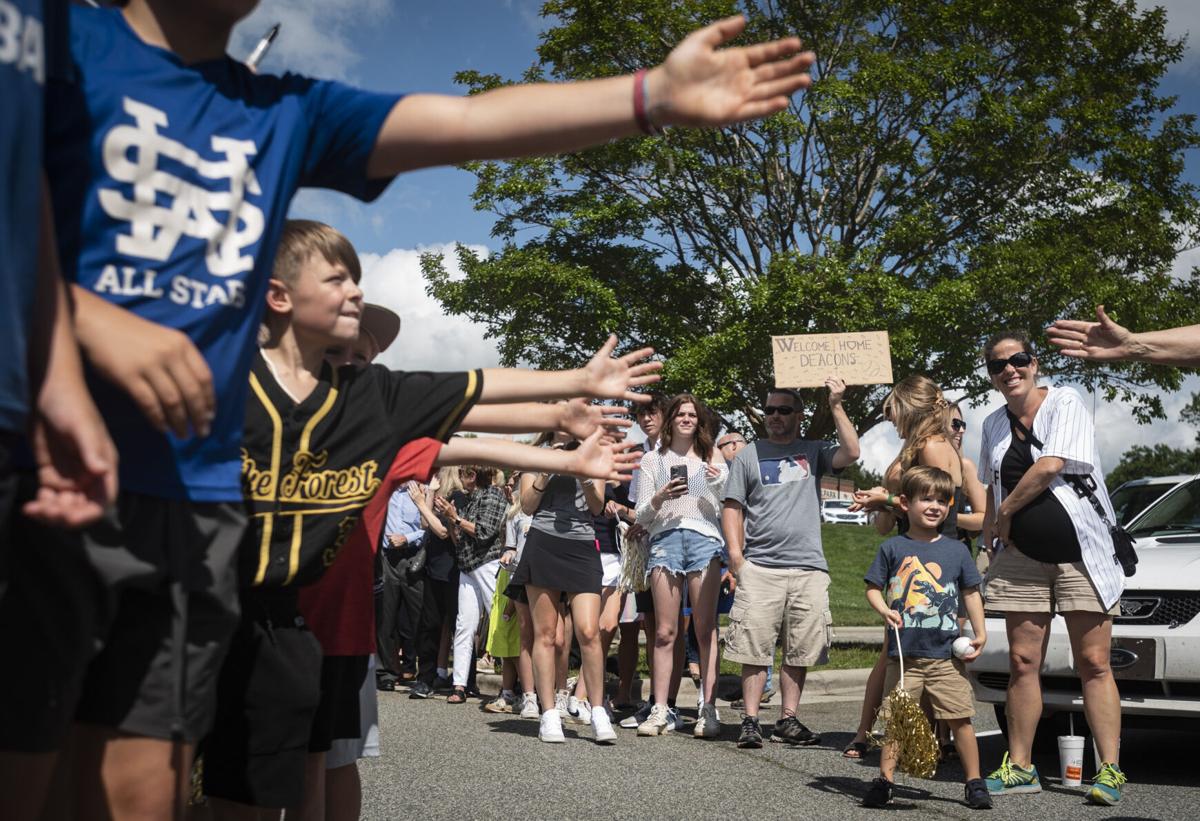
(850, 549)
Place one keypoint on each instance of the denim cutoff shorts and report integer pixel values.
(682, 551)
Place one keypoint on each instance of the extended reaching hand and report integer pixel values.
(581, 418)
(609, 377)
(873, 499)
(597, 459)
(1100, 341)
(701, 84)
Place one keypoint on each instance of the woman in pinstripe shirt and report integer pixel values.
(1052, 554)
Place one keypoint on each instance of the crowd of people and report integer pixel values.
(203, 475)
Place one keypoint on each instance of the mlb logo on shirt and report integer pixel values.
(783, 470)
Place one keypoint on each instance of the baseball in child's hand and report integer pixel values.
(962, 647)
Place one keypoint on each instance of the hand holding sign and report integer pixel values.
(809, 360)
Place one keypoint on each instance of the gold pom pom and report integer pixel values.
(905, 725)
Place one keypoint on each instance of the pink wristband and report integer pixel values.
(639, 105)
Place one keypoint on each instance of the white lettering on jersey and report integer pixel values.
(131, 154)
(21, 42)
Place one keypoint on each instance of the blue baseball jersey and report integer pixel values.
(171, 185)
(30, 50)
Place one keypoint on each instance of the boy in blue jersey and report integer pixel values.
(916, 584)
(172, 167)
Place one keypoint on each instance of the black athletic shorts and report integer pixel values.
(124, 624)
(338, 714)
(267, 698)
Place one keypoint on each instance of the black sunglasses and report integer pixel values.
(782, 410)
(1017, 360)
(958, 424)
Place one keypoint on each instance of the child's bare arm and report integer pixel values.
(699, 84)
(577, 417)
(604, 377)
(591, 460)
(875, 598)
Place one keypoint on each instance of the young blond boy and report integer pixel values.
(915, 584)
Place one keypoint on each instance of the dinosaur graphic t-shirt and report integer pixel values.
(923, 581)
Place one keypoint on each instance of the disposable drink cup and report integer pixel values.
(1070, 759)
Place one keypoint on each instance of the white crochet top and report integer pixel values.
(699, 509)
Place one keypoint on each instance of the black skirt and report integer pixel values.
(553, 563)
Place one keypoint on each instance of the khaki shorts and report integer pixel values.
(1018, 584)
(773, 603)
(942, 681)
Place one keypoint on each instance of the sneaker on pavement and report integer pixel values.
(420, 689)
(502, 703)
(657, 723)
(634, 721)
(708, 725)
(677, 722)
(550, 730)
(1106, 787)
(560, 703)
(582, 714)
(529, 706)
(750, 737)
(879, 794)
(1009, 779)
(602, 727)
(441, 683)
(977, 795)
(789, 730)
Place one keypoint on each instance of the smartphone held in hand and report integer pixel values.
(679, 472)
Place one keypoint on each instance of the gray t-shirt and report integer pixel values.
(563, 511)
(780, 488)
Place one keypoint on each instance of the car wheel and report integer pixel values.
(1049, 728)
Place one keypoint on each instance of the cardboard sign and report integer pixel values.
(806, 360)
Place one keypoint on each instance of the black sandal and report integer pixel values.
(855, 750)
(458, 696)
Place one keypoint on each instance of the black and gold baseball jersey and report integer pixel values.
(309, 468)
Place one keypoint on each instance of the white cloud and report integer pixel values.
(314, 38)
(1183, 20)
(429, 338)
(1116, 430)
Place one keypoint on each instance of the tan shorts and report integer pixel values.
(773, 603)
(943, 682)
(1016, 583)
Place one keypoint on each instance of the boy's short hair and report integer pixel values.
(302, 238)
(658, 402)
(923, 480)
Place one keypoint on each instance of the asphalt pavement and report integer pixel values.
(458, 762)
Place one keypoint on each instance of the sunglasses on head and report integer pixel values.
(1017, 360)
(958, 424)
(782, 410)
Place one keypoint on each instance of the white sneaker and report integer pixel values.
(560, 703)
(632, 722)
(657, 723)
(709, 723)
(529, 707)
(550, 730)
(579, 713)
(602, 727)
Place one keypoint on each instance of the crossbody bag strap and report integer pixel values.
(1083, 484)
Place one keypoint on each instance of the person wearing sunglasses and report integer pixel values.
(922, 418)
(771, 520)
(1052, 554)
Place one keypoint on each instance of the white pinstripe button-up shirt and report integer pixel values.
(1065, 429)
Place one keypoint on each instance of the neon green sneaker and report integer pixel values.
(1009, 779)
(1106, 788)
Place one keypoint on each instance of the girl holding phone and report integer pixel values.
(680, 488)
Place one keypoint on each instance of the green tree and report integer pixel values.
(1160, 460)
(959, 167)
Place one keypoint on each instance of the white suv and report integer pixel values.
(1156, 638)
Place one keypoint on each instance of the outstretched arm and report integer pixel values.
(1106, 341)
(699, 84)
(604, 377)
(578, 417)
(593, 459)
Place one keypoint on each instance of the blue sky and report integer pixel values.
(388, 46)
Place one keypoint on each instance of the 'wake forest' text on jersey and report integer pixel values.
(309, 468)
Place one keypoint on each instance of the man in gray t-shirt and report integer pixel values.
(772, 527)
